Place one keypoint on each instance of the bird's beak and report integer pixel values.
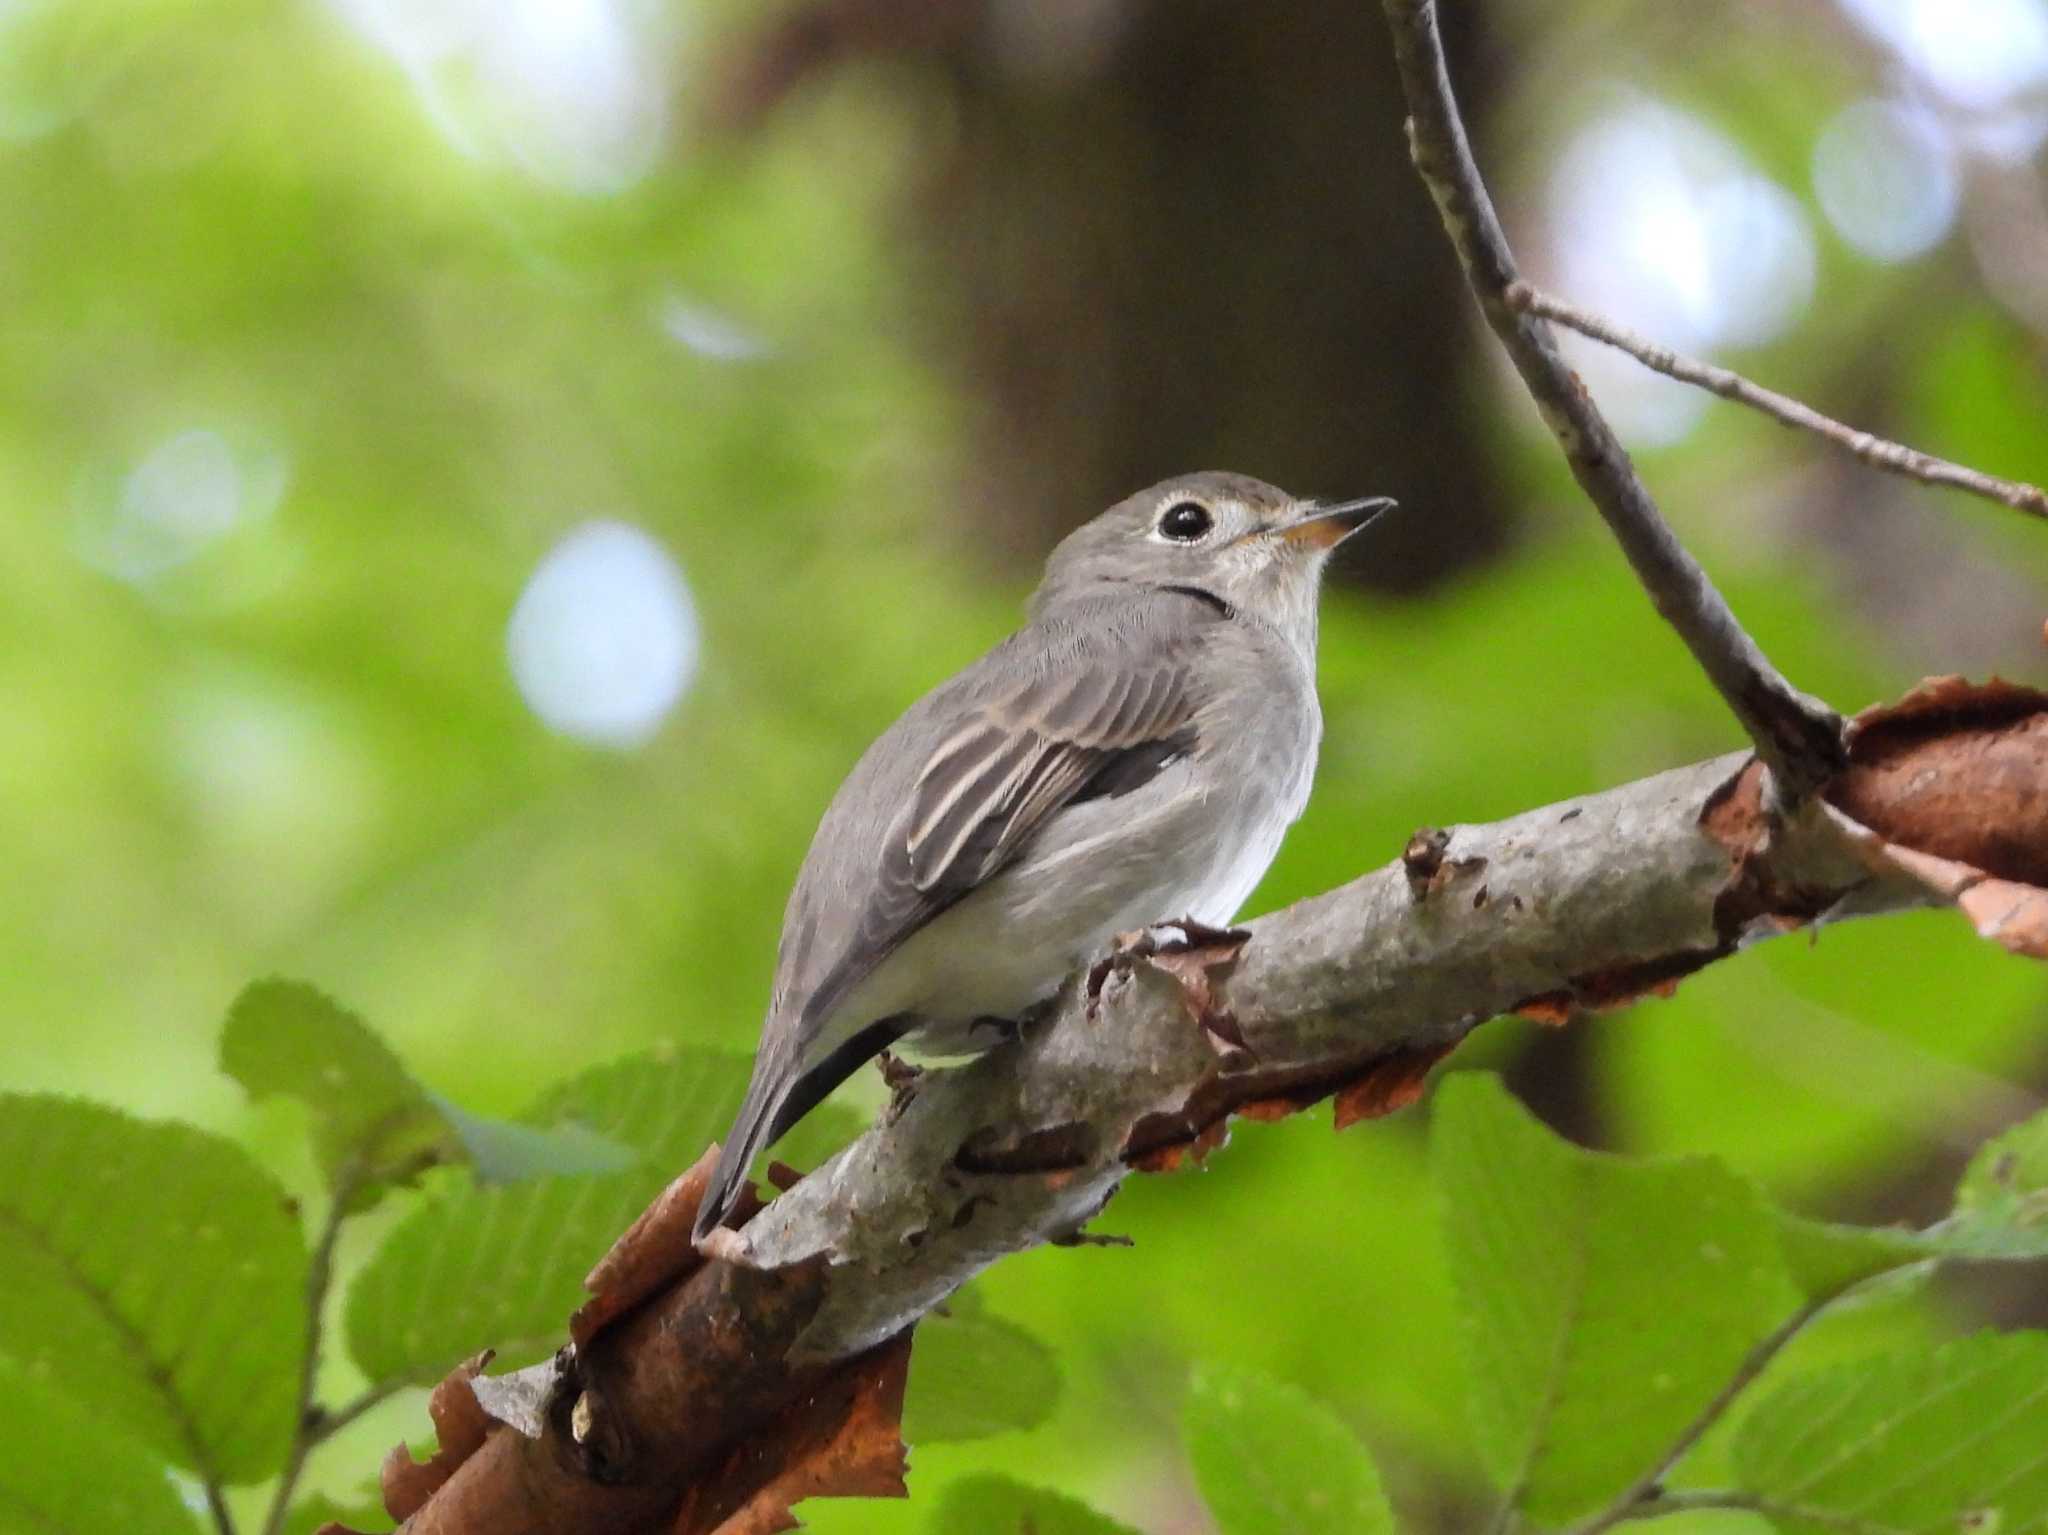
(1325, 527)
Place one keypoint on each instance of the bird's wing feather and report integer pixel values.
(1102, 725)
(1013, 763)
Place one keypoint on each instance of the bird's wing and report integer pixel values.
(1103, 724)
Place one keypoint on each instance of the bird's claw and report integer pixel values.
(1125, 950)
(1183, 935)
(901, 1078)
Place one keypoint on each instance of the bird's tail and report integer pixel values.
(752, 1130)
(777, 1098)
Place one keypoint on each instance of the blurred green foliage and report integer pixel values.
(282, 735)
(1624, 1320)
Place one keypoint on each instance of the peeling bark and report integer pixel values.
(1355, 993)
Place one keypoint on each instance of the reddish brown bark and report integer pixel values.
(682, 1402)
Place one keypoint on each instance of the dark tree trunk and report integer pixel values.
(1163, 235)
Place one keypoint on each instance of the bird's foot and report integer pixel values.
(1125, 950)
(897, 1073)
(901, 1078)
(1194, 954)
(1004, 1029)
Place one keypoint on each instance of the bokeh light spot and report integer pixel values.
(1659, 221)
(261, 761)
(183, 496)
(1885, 174)
(575, 92)
(603, 640)
(708, 333)
(1980, 54)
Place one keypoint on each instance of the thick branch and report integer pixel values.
(1878, 452)
(1584, 904)
(1798, 736)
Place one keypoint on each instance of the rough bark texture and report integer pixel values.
(1585, 904)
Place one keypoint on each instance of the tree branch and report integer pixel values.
(329, 1423)
(1581, 905)
(1878, 452)
(1797, 736)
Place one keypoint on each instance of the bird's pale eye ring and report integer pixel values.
(1185, 521)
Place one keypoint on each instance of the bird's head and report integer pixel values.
(1239, 541)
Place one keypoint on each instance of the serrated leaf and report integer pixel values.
(1825, 1259)
(1929, 1442)
(996, 1505)
(499, 1267)
(1606, 1301)
(68, 1472)
(154, 1273)
(2002, 1199)
(973, 1375)
(1272, 1461)
(373, 1125)
(2001, 1212)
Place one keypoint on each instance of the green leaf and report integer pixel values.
(1272, 1461)
(973, 1375)
(1929, 1442)
(1825, 1259)
(2001, 1212)
(155, 1274)
(503, 1267)
(309, 1514)
(69, 1472)
(373, 1125)
(2002, 1200)
(996, 1505)
(1606, 1301)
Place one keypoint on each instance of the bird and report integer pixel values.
(1131, 756)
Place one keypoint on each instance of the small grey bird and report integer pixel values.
(1132, 755)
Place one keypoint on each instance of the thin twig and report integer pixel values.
(1692, 1503)
(217, 1507)
(1724, 1501)
(1646, 1493)
(1798, 737)
(311, 1426)
(1878, 452)
(326, 1425)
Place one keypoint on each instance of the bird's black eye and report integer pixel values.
(1185, 521)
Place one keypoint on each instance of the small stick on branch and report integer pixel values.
(1798, 737)
(1878, 452)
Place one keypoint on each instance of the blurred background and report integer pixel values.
(474, 475)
